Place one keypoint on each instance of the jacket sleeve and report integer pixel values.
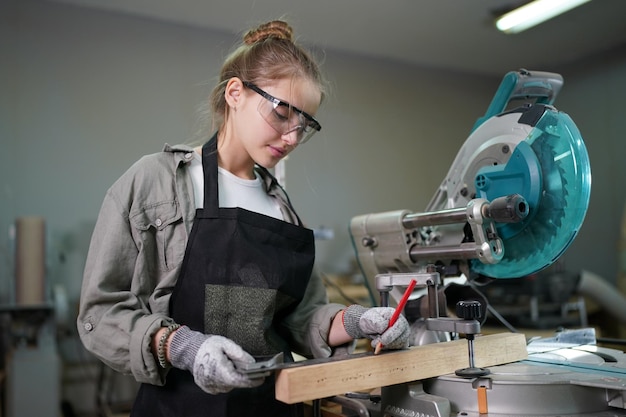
(309, 325)
(119, 308)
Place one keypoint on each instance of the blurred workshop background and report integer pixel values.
(89, 86)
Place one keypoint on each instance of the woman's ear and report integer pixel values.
(233, 92)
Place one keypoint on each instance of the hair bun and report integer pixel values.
(277, 29)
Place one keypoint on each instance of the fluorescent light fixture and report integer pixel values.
(533, 13)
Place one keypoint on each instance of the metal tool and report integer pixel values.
(512, 202)
(262, 367)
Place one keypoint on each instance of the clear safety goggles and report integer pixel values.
(284, 117)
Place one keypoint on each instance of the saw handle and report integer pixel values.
(507, 209)
(541, 86)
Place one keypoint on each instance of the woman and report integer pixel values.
(199, 263)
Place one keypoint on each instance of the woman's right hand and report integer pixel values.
(211, 359)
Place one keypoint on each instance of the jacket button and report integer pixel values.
(158, 222)
(88, 326)
(188, 155)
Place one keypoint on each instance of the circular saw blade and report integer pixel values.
(559, 213)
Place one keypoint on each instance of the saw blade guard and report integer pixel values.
(551, 169)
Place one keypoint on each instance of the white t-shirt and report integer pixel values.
(234, 191)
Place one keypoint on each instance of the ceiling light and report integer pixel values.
(533, 13)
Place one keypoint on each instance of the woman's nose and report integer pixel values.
(291, 138)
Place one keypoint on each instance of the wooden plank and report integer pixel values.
(321, 380)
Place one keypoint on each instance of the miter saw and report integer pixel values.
(532, 153)
(512, 202)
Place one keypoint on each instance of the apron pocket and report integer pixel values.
(245, 315)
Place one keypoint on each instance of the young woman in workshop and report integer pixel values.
(198, 262)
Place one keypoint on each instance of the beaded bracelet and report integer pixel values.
(161, 347)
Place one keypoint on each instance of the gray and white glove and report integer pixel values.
(210, 358)
(372, 323)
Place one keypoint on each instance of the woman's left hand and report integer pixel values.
(373, 323)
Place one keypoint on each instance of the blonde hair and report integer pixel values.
(267, 53)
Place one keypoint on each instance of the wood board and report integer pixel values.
(321, 380)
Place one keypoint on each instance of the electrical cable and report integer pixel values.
(328, 282)
(492, 309)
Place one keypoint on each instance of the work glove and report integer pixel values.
(373, 323)
(210, 359)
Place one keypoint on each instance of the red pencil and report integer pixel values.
(398, 311)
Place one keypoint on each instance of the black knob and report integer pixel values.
(369, 242)
(468, 310)
(508, 209)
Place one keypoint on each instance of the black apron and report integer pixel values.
(242, 273)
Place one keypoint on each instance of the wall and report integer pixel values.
(85, 94)
(593, 95)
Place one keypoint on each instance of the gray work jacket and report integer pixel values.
(135, 257)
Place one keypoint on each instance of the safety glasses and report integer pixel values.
(284, 117)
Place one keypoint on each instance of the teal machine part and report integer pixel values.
(551, 169)
(541, 87)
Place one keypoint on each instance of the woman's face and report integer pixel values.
(258, 126)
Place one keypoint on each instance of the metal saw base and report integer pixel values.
(578, 383)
